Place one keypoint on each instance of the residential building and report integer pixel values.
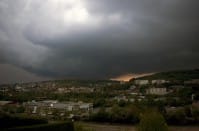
(193, 81)
(141, 82)
(52, 107)
(158, 81)
(156, 91)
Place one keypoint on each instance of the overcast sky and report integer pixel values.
(96, 39)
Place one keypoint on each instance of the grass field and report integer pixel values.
(110, 127)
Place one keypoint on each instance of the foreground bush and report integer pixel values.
(63, 126)
(152, 122)
(8, 121)
(117, 114)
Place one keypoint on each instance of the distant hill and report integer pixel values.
(173, 75)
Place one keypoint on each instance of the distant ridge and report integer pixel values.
(173, 75)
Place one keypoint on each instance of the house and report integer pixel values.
(62, 90)
(4, 89)
(141, 82)
(133, 93)
(156, 91)
(196, 104)
(193, 81)
(18, 88)
(158, 81)
(86, 106)
(176, 87)
(173, 109)
(120, 98)
(3, 103)
(34, 107)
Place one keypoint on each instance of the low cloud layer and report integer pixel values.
(98, 39)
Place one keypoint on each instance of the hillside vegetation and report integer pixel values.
(174, 75)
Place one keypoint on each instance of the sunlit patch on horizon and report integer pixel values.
(127, 77)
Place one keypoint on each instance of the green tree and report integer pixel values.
(122, 103)
(101, 116)
(20, 109)
(152, 121)
(99, 102)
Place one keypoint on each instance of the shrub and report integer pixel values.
(195, 113)
(80, 127)
(176, 117)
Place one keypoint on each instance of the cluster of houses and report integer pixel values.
(70, 110)
(75, 89)
(156, 91)
(146, 82)
(53, 108)
(153, 89)
(57, 86)
(161, 81)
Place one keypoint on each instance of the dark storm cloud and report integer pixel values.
(10, 75)
(99, 39)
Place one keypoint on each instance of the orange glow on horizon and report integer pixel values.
(127, 77)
